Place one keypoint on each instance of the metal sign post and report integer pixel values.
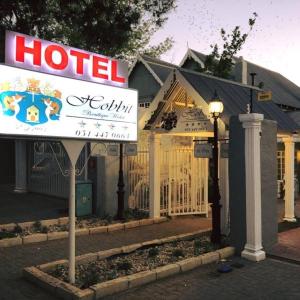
(73, 149)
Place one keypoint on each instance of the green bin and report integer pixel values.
(83, 198)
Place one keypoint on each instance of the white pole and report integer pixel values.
(72, 221)
(73, 149)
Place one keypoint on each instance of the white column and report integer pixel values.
(154, 176)
(253, 248)
(289, 159)
(21, 166)
(224, 192)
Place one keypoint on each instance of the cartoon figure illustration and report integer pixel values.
(31, 106)
(33, 114)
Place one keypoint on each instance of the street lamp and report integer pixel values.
(215, 109)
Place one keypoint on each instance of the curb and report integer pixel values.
(43, 237)
(64, 290)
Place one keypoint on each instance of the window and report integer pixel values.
(145, 104)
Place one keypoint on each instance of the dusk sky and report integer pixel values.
(274, 42)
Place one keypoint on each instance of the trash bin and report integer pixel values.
(83, 197)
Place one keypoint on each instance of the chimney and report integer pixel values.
(240, 69)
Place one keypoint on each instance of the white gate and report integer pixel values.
(183, 185)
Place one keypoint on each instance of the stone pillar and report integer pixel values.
(21, 166)
(154, 175)
(253, 248)
(289, 159)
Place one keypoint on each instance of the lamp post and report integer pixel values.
(120, 191)
(215, 109)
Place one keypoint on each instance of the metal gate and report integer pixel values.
(45, 176)
(183, 181)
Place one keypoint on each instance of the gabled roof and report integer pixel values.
(235, 97)
(284, 92)
(158, 68)
(197, 56)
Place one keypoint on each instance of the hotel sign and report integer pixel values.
(31, 53)
(43, 105)
(192, 120)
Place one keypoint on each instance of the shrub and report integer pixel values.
(124, 265)
(153, 252)
(197, 243)
(44, 229)
(111, 274)
(177, 253)
(18, 229)
(37, 226)
(7, 235)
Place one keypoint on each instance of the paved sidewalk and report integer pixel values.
(269, 280)
(288, 246)
(14, 259)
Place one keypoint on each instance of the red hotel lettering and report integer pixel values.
(101, 67)
(49, 57)
(21, 49)
(80, 57)
(97, 67)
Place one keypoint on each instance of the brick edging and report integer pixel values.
(42, 237)
(38, 276)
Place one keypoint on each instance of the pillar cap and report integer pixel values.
(251, 117)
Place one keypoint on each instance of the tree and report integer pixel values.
(220, 64)
(117, 28)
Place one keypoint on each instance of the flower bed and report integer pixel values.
(40, 231)
(143, 259)
(111, 271)
(58, 225)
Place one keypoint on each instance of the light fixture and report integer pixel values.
(215, 106)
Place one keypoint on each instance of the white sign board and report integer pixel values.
(43, 105)
(203, 151)
(24, 51)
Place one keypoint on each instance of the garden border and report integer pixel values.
(42, 237)
(65, 290)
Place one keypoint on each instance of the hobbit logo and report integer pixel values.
(29, 105)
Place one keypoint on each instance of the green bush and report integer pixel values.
(44, 229)
(197, 243)
(177, 253)
(111, 274)
(124, 265)
(7, 235)
(37, 226)
(153, 252)
(18, 229)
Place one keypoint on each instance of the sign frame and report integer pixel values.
(60, 137)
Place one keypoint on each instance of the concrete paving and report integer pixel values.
(16, 207)
(14, 259)
(268, 280)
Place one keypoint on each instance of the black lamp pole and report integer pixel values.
(216, 207)
(120, 191)
(251, 92)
